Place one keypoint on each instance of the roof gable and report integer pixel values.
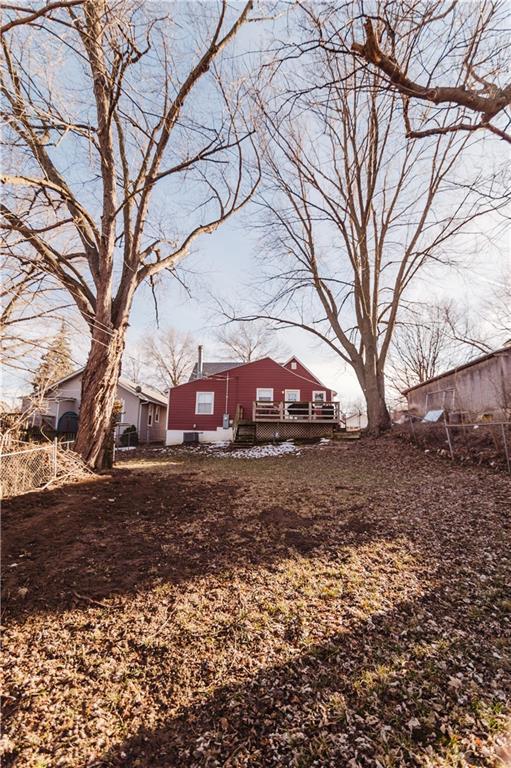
(145, 393)
(312, 375)
(238, 366)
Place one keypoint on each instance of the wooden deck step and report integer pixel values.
(245, 434)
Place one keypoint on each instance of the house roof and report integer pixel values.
(228, 366)
(209, 369)
(297, 360)
(475, 361)
(142, 391)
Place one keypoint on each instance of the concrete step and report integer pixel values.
(351, 435)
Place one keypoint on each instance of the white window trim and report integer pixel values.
(156, 414)
(292, 390)
(318, 392)
(264, 389)
(201, 413)
(293, 365)
(150, 415)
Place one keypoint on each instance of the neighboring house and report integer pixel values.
(260, 400)
(477, 389)
(141, 406)
(356, 421)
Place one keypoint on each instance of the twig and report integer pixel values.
(92, 601)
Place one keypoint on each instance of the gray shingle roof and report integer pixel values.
(209, 369)
(143, 391)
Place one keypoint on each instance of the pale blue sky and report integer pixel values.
(228, 263)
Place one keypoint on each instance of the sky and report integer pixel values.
(227, 264)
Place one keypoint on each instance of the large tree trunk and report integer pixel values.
(378, 417)
(99, 390)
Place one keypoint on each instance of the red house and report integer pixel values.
(262, 400)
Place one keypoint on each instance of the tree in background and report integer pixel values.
(248, 341)
(497, 310)
(354, 212)
(171, 356)
(55, 363)
(486, 327)
(422, 347)
(126, 142)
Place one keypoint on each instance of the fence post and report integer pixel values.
(449, 439)
(506, 450)
(55, 443)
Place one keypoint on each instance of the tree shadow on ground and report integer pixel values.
(111, 536)
(426, 682)
(429, 671)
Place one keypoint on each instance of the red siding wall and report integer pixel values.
(240, 388)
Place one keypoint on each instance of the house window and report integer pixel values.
(157, 413)
(150, 416)
(204, 403)
(264, 395)
(319, 396)
(293, 366)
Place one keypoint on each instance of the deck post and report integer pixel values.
(253, 411)
(310, 410)
(281, 411)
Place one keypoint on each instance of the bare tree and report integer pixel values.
(497, 310)
(354, 212)
(169, 357)
(248, 341)
(442, 53)
(422, 347)
(486, 327)
(121, 157)
(133, 365)
(29, 13)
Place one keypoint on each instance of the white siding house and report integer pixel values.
(142, 407)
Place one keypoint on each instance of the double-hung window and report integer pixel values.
(319, 396)
(204, 403)
(150, 416)
(264, 395)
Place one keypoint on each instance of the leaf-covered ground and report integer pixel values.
(346, 606)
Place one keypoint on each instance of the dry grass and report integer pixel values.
(345, 607)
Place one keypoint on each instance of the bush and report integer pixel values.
(129, 436)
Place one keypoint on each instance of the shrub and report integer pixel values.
(129, 436)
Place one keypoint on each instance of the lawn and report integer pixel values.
(349, 605)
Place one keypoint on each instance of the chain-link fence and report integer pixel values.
(481, 443)
(30, 466)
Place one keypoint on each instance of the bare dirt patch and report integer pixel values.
(348, 606)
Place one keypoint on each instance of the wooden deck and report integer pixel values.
(295, 412)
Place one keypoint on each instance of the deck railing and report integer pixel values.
(291, 410)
